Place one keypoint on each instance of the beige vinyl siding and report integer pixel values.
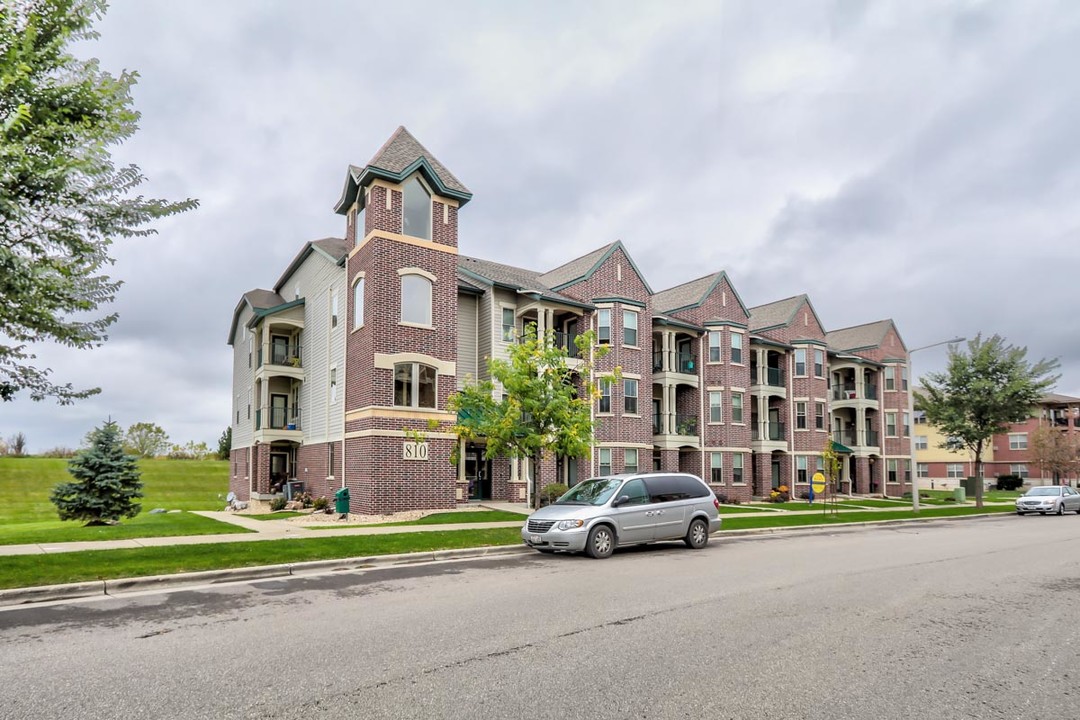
(323, 346)
(467, 332)
(243, 378)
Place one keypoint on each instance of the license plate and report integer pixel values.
(535, 539)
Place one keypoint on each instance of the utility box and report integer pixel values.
(341, 501)
(968, 484)
(959, 494)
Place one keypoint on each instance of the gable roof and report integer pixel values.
(692, 294)
(582, 268)
(399, 157)
(1059, 399)
(775, 314)
(257, 299)
(858, 337)
(333, 249)
(526, 282)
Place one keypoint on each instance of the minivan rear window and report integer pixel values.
(667, 488)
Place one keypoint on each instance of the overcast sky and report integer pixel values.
(912, 160)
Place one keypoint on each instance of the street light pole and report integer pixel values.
(911, 417)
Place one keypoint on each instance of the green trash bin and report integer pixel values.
(341, 501)
(959, 494)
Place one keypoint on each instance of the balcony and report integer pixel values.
(870, 391)
(872, 438)
(686, 425)
(286, 419)
(774, 432)
(844, 437)
(285, 355)
(843, 391)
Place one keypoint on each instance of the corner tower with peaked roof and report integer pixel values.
(401, 217)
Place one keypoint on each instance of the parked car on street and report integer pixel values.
(1049, 498)
(603, 513)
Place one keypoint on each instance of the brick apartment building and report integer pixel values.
(1009, 453)
(342, 371)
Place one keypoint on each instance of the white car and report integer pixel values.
(1057, 499)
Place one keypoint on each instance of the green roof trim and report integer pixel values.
(622, 300)
(759, 340)
(617, 245)
(263, 312)
(674, 322)
(809, 341)
(838, 448)
(720, 277)
(725, 323)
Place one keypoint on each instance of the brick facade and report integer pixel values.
(697, 346)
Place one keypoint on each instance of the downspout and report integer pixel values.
(702, 389)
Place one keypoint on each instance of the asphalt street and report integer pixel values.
(971, 619)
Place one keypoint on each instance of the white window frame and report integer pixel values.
(819, 363)
(628, 385)
(605, 394)
(922, 469)
(417, 321)
(414, 382)
(603, 322)
(416, 181)
(715, 353)
(627, 453)
(802, 470)
(509, 330)
(800, 352)
(736, 348)
(890, 420)
(626, 316)
(737, 466)
(800, 416)
(1020, 469)
(333, 308)
(922, 442)
(600, 461)
(358, 302)
(1018, 441)
(716, 468)
(954, 471)
(716, 407)
(736, 407)
(890, 377)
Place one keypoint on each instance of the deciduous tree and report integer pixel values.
(107, 481)
(545, 407)
(1056, 452)
(146, 440)
(981, 392)
(62, 200)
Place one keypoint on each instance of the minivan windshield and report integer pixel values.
(591, 492)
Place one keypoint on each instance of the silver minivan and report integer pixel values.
(601, 513)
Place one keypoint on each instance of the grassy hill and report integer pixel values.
(25, 484)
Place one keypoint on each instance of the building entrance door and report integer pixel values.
(775, 473)
(478, 473)
(279, 471)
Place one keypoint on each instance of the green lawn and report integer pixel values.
(140, 526)
(736, 509)
(25, 484)
(32, 570)
(443, 518)
(785, 520)
(281, 515)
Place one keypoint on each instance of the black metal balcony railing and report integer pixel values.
(657, 425)
(844, 437)
(772, 431)
(771, 376)
(566, 342)
(844, 391)
(658, 360)
(686, 424)
(870, 391)
(278, 418)
(684, 363)
(871, 437)
(283, 355)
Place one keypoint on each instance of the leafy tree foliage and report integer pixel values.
(107, 481)
(146, 440)
(1056, 452)
(224, 444)
(546, 406)
(982, 392)
(62, 200)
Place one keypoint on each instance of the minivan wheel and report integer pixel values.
(601, 542)
(697, 536)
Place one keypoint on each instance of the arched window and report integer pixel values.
(358, 304)
(414, 385)
(415, 300)
(416, 219)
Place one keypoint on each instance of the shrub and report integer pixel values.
(1009, 482)
(552, 492)
(320, 503)
(304, 499)
(722, 498)
(58, 452)
(277, 504)
(780, 494)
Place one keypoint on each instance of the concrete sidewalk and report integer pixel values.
(261, 530)
(282, 530)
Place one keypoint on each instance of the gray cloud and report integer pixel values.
(893, 159)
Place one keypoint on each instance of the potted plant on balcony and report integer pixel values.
(295, 361)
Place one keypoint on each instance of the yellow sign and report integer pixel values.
(818, 483)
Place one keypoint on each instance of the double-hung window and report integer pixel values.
(630, 396)
(800, 361)
(736, 347)
(890, 424)
(630, 460)
(800, 416)
(716, 407)
(800, 469)
(605, 395)
(1018, 441)
(508, 324)
(819, 363)
(737, 468)
(603, 327)
(736, 407)
(819, 416)
(630, 327)
(890, 378)
(605, 461)
(714, 346)
(716, 467)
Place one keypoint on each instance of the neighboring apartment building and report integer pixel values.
(342, 371)
(1009, 453)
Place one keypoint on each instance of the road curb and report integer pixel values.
(121, 586)
(73, 591)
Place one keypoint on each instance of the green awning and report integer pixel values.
(838, 448)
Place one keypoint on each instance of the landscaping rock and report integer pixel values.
(157, 511)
